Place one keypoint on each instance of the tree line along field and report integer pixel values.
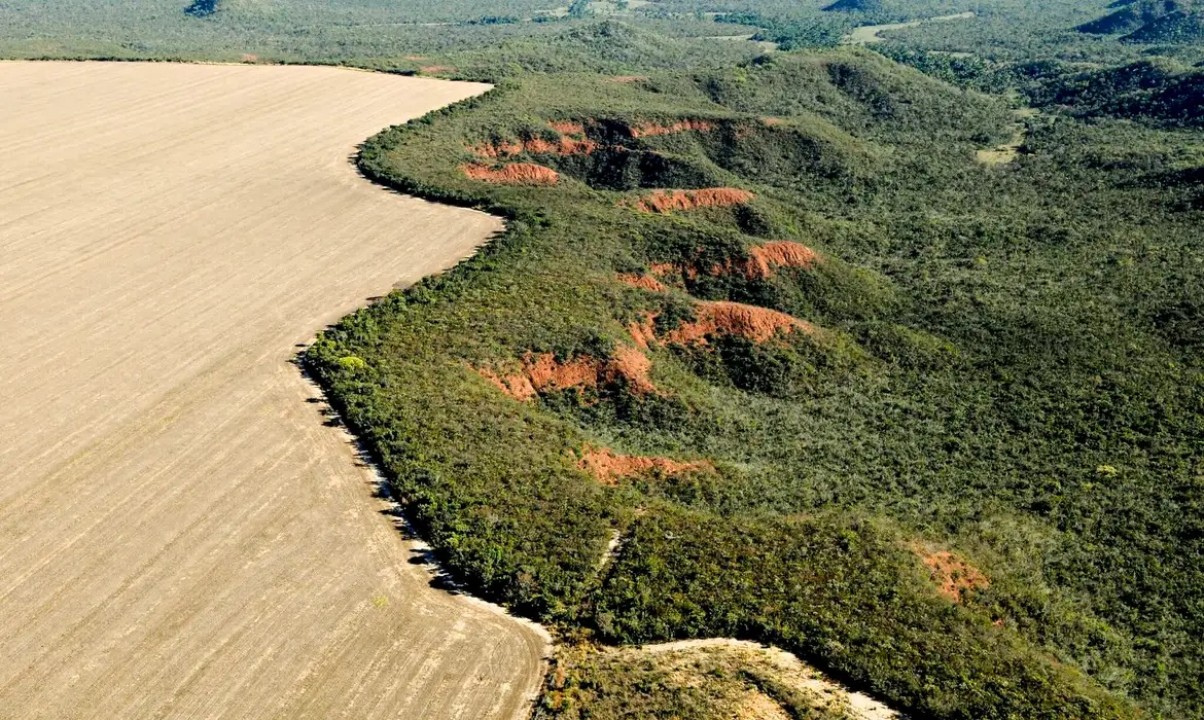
(839, 387)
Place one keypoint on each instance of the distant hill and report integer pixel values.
(1179, 27)
(1155, 93)
(1151, 21)
(863, 6)
(202, 8)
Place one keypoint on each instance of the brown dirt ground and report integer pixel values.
(564, 147)
(542, 372)
(663, 201)
(762, 263)
(609, 467)
(655, 129)
(513, 174)
(437, 69)
(180, 534)
(753, 323)
(567, 127)
(952, 574)
(643, 332)
(643, 282)
(763, 260)
(779, 664)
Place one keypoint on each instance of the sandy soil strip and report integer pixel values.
(870, 34)
(180, 534)
(802, 676)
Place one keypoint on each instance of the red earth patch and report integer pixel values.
(608, 467)
(512, 174)
(665, 201)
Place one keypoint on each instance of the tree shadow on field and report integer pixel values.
(420, 552)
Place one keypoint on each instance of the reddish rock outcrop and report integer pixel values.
(608, 467)
(665, 201)
(512, 174)
(750, 322)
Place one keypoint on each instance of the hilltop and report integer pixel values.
(1152, 92)
(860, 6)
(1152, 21)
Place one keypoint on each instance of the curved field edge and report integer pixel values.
(498, 488)
(218, 553)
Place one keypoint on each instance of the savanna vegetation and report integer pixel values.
(932, 424)
(929, 424)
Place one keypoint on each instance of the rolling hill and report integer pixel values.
(833, 384)
(1152, 21)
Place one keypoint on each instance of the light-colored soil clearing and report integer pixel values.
(180, 534)
(1008, 152)
(791, 671)
(870, 34)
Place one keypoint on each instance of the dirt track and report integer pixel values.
(180, 535)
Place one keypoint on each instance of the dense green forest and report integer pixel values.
(1152, 21)
(890, 356)
(410, 34)
(992, 363)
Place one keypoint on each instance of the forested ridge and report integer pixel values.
(840, 387)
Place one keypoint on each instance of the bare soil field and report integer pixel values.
(181, 536)
(870, 34)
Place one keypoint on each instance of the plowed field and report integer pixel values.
(181, 534)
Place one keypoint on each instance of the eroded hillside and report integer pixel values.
(836, 385)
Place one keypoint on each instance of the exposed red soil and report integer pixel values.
(654, 129)
(542, 372)
(631, 366)
(568, 127)
(762, 263)
(537, 146)
(513, 174)
(953, 575)
(517, 386)
(643, 282)
(750, 322)
(784, 254)
(643, 332)
(437, 69)
(495, 150)
(763, 260)
(663, 201)
(546, 373)
(563, 146)
(608, 467)
(249, 58)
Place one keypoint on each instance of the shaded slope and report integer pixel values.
(1152, 21)
(1157, 93)
(1135, 15)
